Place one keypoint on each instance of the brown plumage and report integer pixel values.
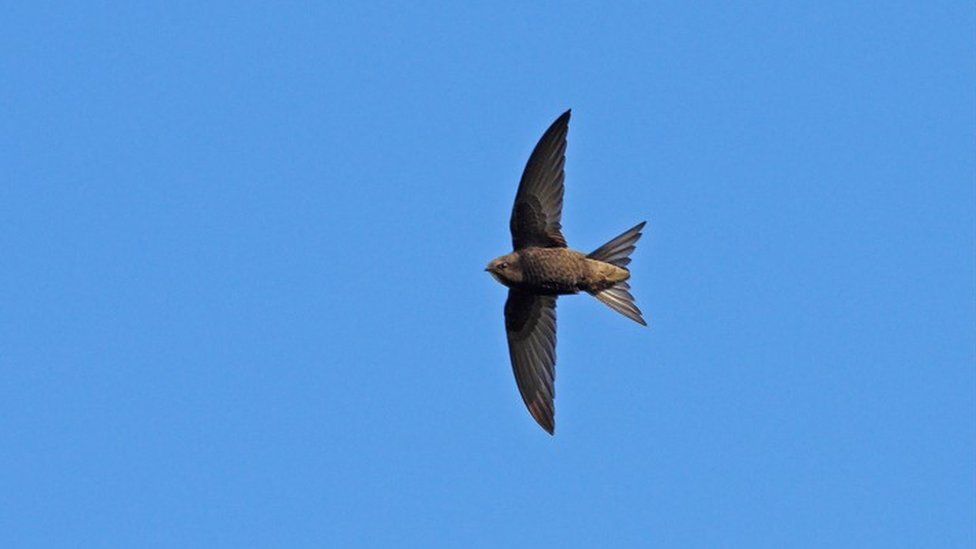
(543, 267)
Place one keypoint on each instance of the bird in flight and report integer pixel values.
(542, 267)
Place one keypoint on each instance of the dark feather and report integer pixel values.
(619, 298)
(538, 205)
(617, 251)
(530, 323)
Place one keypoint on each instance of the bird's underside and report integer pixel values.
(562, 271)
(541, 267)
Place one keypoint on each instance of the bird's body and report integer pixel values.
(558, 271)
(542, 267)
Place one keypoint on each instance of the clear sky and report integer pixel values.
(242, 300)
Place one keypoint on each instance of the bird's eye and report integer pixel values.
(503, 265)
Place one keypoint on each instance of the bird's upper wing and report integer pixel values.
(530, 322)
(539, 201)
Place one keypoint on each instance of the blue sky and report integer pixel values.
(243, 301)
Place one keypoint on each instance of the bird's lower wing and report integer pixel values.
(530, 323)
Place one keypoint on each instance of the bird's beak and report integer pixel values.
(487, 269)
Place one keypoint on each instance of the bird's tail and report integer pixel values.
(617, 253)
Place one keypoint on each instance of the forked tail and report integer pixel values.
(617, 252)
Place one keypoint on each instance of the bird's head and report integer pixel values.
(506, 269)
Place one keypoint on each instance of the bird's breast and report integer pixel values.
(552, 270)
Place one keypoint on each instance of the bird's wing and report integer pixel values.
(539, 201)
(530, 322)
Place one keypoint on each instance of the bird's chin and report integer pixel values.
(497, 278)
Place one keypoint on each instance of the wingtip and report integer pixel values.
(548, 424)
